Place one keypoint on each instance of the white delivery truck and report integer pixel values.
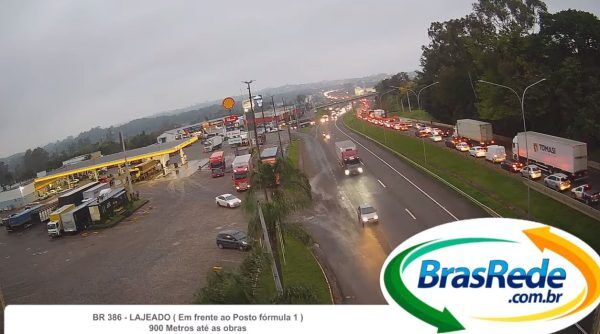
(495, 153)
(478, 132)
(213, 143)
(552, 154)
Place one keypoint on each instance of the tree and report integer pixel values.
(6, 177)
(225, 288)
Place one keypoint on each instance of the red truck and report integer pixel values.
(347, 155)
(242, 171)
(217, 164)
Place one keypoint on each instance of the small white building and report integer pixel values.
(17, 197)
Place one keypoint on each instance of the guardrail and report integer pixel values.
(573, 203)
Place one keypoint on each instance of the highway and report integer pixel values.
(407, 202)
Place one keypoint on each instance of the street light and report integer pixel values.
(21, 190)
(522, 101)
(422, 89)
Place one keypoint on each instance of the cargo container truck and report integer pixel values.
(74, 196)
(213, 143)
(29, 215)
(76, 220)
(552, 154)
(477, 132)
(55, 225)
(242, 172)
(216, 162)
(348, 158)
(93, 192)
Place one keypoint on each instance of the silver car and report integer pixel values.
(532, 172)
(557, 181)
(367, 214)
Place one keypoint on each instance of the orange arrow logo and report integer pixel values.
(544, 239)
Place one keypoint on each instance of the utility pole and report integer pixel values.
(289, 122)
(408, 98)
(253, 116)
(128, 175)
(277, 126)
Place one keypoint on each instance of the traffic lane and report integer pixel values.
(353, 254)
(448, 200)
(396, 206)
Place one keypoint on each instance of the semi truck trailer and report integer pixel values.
(213, 143)
(552, 154)
(242, 171)
(347, 155)
(478, 132)
(74, 196)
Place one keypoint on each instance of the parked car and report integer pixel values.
(557, 181)
(512, 165)
(462, 146)
(228, 200)
(436, 138)
(532, 172)
(586, 194)
(367, 214)
(233, 239)
(477, 151)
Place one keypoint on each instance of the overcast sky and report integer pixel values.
(67, 66)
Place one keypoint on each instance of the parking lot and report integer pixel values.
(160, 254)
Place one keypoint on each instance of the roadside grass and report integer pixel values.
(305, 129)
(320, 113)
(418, 114)
(294, 152)
(300, 268)
(495, 188)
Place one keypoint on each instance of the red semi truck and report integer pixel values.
(242, 171)
(347, 155)
(217, 164)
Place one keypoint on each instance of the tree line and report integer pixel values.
(512, 43)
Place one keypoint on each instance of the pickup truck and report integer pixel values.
(585, 194)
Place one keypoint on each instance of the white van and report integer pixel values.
(495, 153)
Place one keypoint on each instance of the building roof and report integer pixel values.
(114, 159)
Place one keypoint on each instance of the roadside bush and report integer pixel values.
(225, 288)
(296, 294)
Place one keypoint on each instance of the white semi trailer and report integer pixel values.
(552, 154)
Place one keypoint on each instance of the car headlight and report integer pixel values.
(365, 219)
(347, 172)
(376, 217)
(237, 187)
(244, 242)
(360, 170)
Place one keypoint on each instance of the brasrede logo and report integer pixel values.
(493, 275)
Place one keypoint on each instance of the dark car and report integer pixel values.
(233, 239)
(511, 165)
(450, 143)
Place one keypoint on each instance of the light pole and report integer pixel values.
(521, 99)
(253, 115)
(277, 126)
(422, 89)
(289, 121)
(408, 97)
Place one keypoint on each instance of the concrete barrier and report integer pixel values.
(571, 202)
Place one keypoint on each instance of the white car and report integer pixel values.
(462, 146)
(531, 171)
(558, 182)
(228, 201)
(436, 138)
(477, 152)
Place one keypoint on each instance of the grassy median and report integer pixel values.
(418, 114)
(494, 188)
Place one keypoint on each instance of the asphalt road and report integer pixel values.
(407, 202)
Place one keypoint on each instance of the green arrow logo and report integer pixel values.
(443, 320)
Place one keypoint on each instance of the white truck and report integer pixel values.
(552, 154)
(93, 192)
(347, 155)
(478, 132)
(213, 143)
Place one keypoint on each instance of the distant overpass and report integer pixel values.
(346, 100)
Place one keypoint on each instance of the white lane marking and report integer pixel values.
(580, 328)
(410, 213)
(362, 163)
(402, 175)
(383, 185)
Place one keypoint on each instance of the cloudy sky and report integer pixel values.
(69, 65)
